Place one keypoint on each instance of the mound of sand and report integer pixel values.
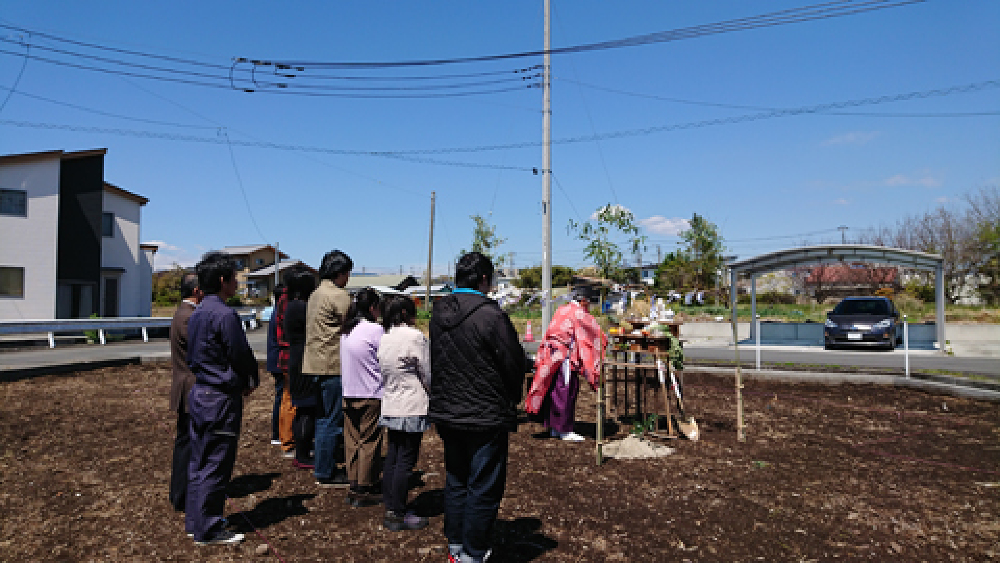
(634, 447)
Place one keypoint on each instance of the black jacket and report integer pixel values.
(302, 387)
(477, 364)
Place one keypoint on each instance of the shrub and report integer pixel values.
(921, 291)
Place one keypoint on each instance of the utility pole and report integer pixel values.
(277, 265)
(659, 255)
(430, 253)
(843, 234)
(547, 174)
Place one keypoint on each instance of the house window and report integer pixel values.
(259, 262)
(11, 281)
(14, 202)
(108, 225)
(239, 264)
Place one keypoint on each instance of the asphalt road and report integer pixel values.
(921, 359)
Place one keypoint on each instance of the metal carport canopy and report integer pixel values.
(836, 253)
(841, 253)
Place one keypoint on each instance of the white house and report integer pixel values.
(69, 241)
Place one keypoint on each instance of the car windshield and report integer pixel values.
(862, 307)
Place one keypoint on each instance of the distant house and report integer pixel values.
(70, 240)
(249, 259)
(261, 282)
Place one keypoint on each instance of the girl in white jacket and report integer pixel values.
(404, 359)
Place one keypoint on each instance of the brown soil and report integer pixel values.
(848, 472)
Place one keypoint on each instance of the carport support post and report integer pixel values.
(753, 304)
(939, 301)
(906, 347)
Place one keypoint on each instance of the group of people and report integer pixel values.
(349, 371)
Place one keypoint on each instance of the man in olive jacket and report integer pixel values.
(477, 375)
(326, 313)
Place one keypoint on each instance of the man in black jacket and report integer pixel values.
(477, 373)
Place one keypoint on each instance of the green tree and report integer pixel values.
(167, 286)
(675, 272)
(531, 278)
(703, 250)
(485, 240)
(610, 221)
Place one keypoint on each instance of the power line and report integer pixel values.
(416, 155)
(239, 182)
(805, 110)
(766, 108)
(24, 64)
(104, 113)
(814, 12)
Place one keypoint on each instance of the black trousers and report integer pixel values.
(304, 428)
(404, 449)
(182, 458)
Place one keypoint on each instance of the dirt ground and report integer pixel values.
(847, 472)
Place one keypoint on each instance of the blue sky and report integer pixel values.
(670, 128)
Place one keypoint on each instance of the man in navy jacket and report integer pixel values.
(477, 376)
(225, 370)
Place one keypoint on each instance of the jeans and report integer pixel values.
(329, 425)
(476, 467)
(279, 388)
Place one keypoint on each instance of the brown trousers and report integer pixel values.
(286, 416)
(363, 440)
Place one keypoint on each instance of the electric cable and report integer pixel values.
(20, 73)
(765, 108)
(239, 182)
(814, 12)
(104, 113)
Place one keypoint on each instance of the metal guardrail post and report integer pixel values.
(100, 333)
(757, 336)
(145, 335)
(52, 340)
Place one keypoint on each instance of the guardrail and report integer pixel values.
(52, 326)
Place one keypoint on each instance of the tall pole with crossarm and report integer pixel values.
(547, 176)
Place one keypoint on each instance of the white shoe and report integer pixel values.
(571, 437)
(275, 442)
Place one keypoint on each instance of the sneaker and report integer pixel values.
(275, 442)
(288, 454)
(398, 521)
(222, 537)
(571, 437)
(338, 480)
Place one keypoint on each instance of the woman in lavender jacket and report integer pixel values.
(404, 358)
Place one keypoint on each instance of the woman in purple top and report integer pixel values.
(362, 381)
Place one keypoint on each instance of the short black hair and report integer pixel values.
(471, 268)
(279, 290)
(212, 269)
(361, 308)
(335, 263)
(301, 283)
(189, 283)
(397, 310)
